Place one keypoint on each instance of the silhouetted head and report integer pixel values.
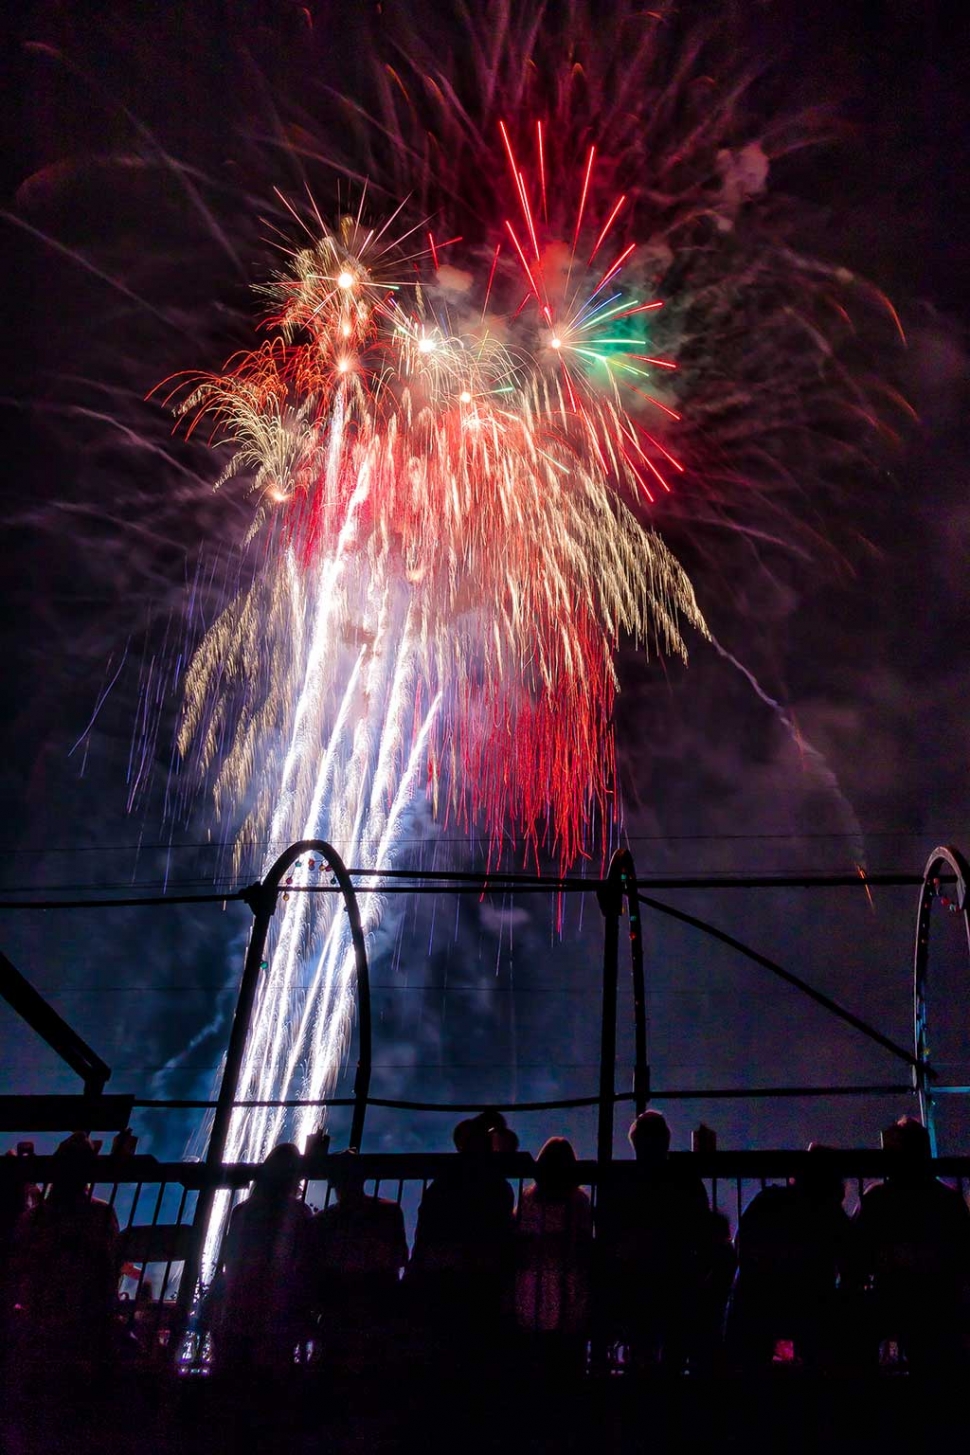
(818, 1180)
(74, 1161)
(473, 1137)
(556, 1172)
(650, 1137)
(280, 1172)
(463, 1135)
(346, 1178)
(908, 1142)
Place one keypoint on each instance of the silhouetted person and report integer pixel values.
(357, 1251)
(16, 1198)
(460, 1271)
(260, 1295)
(553, 1249)
(794, 1249)
(66, 1267)
(654, 1237)
(717, 1265)
(914, 1252)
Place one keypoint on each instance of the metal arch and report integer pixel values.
(621, 883)
(943, 858)
(270, 887)
(261, 898)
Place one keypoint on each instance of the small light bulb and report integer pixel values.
(345, 280)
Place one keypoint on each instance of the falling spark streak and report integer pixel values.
(815, 759)
(542, 173)
(606, 227)
(585, 194)
(860, 870)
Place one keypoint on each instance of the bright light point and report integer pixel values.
(345, 330)
(343, 365)
(426, 346)
(345, 280)
(555, 343)
(465, 397)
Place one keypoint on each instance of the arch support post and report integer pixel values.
(620, 884)
(949, 860)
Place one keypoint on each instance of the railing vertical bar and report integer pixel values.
(160, 1306)
(134, 1204)
(144, 1267)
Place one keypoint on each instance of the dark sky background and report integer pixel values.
(131, 233)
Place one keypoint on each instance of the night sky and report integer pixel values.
(145, 148)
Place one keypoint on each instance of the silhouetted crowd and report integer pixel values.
(650, 1282)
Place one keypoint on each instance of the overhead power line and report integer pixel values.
(467, 840)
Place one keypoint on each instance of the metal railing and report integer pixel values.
(161, 1211)
(143, 1190)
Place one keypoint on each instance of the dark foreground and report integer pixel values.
(777, 1412)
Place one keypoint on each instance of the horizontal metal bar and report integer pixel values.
(756, 1092)
(65, 1113)
(485, 883)
(156, 1242)
(142, 901)
(680, 1094)
(862, 1162)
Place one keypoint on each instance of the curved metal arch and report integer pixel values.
(944, 857)
(262, 899)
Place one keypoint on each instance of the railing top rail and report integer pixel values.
(411, 1166)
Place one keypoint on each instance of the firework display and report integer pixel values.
(456, 552)
(539, 326)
